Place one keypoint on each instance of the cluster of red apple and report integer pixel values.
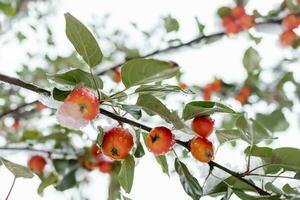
(118, 141)
(288, 36)
(236, 20)
(208, 89)
(243, 94)
(93, 159)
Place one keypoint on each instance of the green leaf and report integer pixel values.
(76, 77)
(141, 71)
(60, 95)
(287, 158)
(126, 173)
(7, 9)
(297, 175)
(114, 187)
(203, 108)
(269, 186)
(130, 53)
(67, 182)
(100, 136)
(259, 151)
(83, 41)
(16, 169)
(139, 152)
(251, 60)
(200, 26)
(189, 183)
(133, 110)
(252, 131)
(274, 121)
(30, 135)
(222, 187)
(171, 24)
(257, 40)
(64, 166)
(21, 36)
(289, 190)
(162, 161)
(243, 196)
(224, 11)
(58, 137)
(228, 194)
(152, 104)
(158, 90)
(51, 179)
(228, 135)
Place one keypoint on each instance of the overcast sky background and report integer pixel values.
(221, 59)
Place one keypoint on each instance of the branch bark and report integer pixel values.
(185, 44)
(33, 88)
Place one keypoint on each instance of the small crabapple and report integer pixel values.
(37, 164)
(202, 149)
(183, 86)
(40, 106)
(238, 12)
(227, 20)
(203, 126)
(291, 21)
(117, 143)
(246, 21)
(95, 151)
(117, 75)
(160, 140)
(216, 85)
(243, 94)
(287, 37)
(232, 28)
(16, 124)
(105, 166)
(88, 103)
(207, 95)
(88, 165)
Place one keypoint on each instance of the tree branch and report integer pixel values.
(33, 88)
(185, 44)
(49, 153)
(260, 191)
(18, 82)
(17, 109)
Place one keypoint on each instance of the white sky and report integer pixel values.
(221, 59)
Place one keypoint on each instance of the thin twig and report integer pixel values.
(185, 44)
(11, 188)
(238, 176)
(271, 176)
(49, 153)
(17, 109)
